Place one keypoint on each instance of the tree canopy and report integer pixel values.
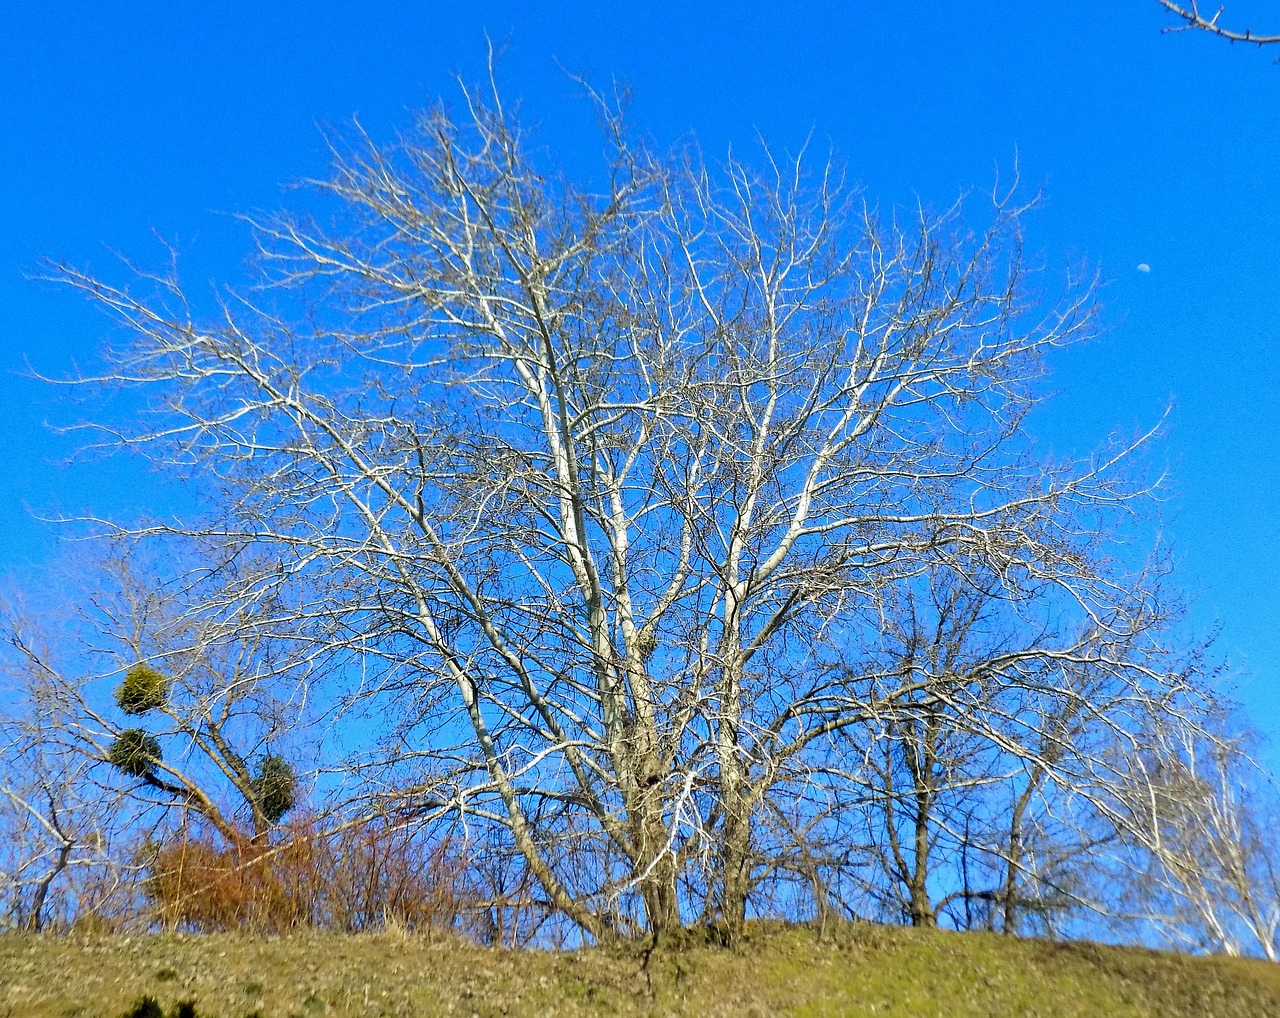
(676, 537)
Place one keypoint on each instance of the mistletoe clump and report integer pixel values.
(135, 752)
(274, 787)
(143, 689)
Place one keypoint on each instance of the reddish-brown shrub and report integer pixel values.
(361, 876)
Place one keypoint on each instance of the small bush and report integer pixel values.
(149, 1007)
(135, 752)
(143, 689)
(274, 787)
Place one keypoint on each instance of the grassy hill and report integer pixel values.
(857, 970)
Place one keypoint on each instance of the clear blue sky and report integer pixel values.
(119, 120)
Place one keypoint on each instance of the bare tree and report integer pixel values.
(57, 829)
(988, 784)
(1203, 836)
(598, 484)
(153, 689)
(926, 768)
(40, 825)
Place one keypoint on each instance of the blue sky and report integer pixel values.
(124, 122)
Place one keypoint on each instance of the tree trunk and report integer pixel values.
(654, 864)
(735, 861)
(922, 913)
(42, 891)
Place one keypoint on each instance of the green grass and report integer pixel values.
(857, 970)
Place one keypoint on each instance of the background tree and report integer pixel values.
(171, 705)
(1203, 854)
(56, 864)
(989, 789)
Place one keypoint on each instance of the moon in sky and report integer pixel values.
(1144, 267)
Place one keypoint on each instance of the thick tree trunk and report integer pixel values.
(735, 859)
(922, 760)
(1011, 875)
(654, 864)
(922, 913)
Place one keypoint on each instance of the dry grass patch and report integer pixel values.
(855, 970)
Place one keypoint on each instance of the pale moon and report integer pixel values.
(1144, 267)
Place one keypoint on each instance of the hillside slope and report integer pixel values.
(858, 970)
